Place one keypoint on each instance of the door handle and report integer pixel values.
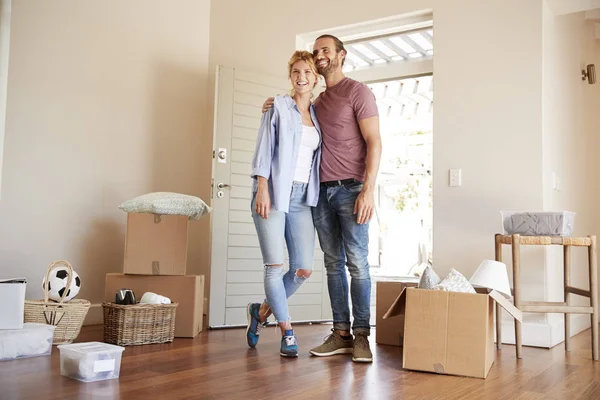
(222, 185)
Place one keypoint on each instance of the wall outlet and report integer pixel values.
(455, 177)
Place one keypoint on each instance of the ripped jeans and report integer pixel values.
(297, 229)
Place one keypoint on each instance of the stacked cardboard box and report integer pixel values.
(156, 261)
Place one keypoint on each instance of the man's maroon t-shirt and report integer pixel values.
(338, 109)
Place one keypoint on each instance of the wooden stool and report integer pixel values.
(552, 307)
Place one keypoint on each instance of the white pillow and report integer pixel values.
(429, 279)
(455, 282)
(167, 203)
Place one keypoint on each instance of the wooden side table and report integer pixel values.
(515, 241)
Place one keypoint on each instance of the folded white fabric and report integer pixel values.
(455, 282)
(167, 203)
(428, 279)
(153, 298)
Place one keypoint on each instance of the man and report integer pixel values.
(351, 152)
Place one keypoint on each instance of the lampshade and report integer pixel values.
(492, 275)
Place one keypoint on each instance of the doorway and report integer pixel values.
(401, 232)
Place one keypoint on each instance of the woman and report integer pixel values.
(285, 169)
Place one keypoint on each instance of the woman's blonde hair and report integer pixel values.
(303, 55)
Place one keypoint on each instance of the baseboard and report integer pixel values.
(94, 315)
(545, 335)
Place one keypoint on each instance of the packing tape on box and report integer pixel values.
(492, 275)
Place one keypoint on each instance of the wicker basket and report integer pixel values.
(67, 316)
(136, 324)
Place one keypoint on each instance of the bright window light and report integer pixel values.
(402, 44)
(380, 61)
(383, 48)
(415, 55)
(361, 48)
(421, 41)
(357, 60)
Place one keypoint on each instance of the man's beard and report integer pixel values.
(331, 66)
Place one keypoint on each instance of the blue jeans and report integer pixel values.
(345, 242)
(298, 230)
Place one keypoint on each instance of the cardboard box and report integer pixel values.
(448, 332)
(12, 298)
(389, 331)
(187, 290)
(156, 244)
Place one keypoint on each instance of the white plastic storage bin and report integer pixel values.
(544, 223)
(32, 340)
(90, 361)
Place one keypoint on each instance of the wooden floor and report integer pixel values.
(219, 365)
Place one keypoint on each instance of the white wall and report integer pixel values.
(568, 149)
(106, 101)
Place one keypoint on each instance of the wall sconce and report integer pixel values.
(589, 73)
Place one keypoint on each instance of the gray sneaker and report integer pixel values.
(361, 351)
(334, 344)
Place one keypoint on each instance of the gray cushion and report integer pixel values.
(167, 203)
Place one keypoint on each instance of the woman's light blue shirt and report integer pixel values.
(276, 153)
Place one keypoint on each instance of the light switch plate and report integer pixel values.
(455, 177)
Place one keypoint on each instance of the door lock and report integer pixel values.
(222, 155)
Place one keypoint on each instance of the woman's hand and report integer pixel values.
(263, 199)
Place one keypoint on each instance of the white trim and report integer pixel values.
(386, 72)
(95, 315)
(544, 335)
(389, 25)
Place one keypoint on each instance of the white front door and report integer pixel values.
(236, 266)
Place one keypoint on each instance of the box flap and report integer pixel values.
(14, 280)
(398, 306)
(507, 305)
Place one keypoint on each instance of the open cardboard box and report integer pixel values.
(390, 331)
(449, 333)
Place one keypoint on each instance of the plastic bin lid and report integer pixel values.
(91, 347)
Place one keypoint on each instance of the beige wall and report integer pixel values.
(591, 99)
(106, 101)
(568, 146)
(487, 77)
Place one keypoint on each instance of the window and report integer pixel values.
(364, 53)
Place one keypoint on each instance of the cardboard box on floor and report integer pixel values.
(156, 244)
(449, 333)
(187, 290)
(389, 331)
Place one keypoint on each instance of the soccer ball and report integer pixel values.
(58, 284)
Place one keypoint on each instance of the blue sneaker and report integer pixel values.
(289, 344)
(254, 324)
